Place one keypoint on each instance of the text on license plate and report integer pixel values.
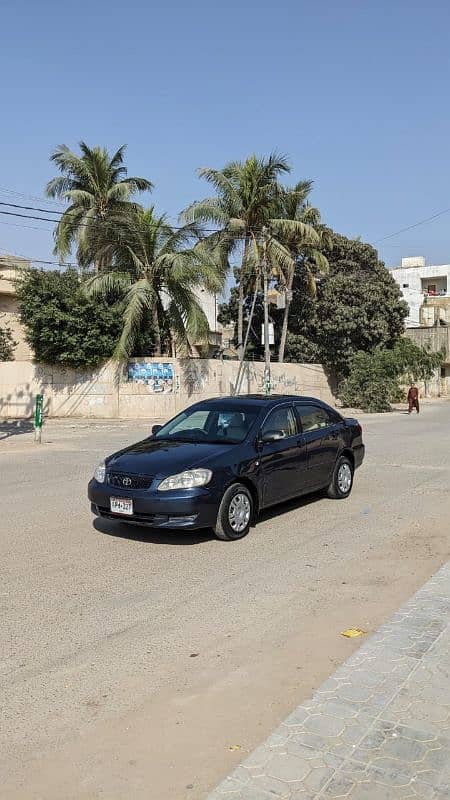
(121, 505)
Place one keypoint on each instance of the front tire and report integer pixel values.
(342, 480)
(235, 513)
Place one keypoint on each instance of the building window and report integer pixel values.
(405, 285)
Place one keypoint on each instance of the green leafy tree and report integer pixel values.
(377, 379)
(95, 185)
(7, 343)
(157, 270)
(359, 306)
(63, 326)
(245, 210)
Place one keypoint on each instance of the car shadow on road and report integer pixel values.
(290, 505)
(136, 533)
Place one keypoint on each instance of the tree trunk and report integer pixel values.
(156, 329)
(240, 331)
(284, 328)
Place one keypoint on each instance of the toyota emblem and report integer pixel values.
(126, 481)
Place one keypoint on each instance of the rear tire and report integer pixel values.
(342, 480)
(235, 513)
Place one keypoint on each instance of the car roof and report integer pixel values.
(257, 400)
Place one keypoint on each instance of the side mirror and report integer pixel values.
(155, 429)
(272, 436)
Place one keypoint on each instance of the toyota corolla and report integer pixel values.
(221, 461)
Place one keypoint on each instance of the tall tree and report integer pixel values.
(359, 307)
(293, 205)
(244, 210)
(157, 270)
(95, 185)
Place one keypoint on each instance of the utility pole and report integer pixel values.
(267, 375)
(240, 374)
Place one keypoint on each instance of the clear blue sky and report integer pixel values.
(355, 93)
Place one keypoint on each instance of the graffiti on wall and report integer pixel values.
(158, 377)
(195, 377)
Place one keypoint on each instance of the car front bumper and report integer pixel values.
(190, 508)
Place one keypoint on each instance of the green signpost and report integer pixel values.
(38, 417)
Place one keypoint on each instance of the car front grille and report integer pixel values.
(123, 481)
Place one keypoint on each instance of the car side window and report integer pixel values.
(281, 419)
(313, 418)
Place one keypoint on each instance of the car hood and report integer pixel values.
(153, 457)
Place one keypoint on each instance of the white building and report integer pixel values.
(420, 283)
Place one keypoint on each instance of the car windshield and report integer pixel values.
(210, 424)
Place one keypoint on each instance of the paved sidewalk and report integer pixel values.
(378, 729)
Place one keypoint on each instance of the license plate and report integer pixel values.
(121, 505)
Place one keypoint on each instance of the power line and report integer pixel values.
(32, 208)
(82, 224)
(28, 216)
(29, 227)
(415, 225)
(255, 230)
(39, 260)
(35, 199)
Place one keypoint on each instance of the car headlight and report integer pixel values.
(100, 472)
(186, 480)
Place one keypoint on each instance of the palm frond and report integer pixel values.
(58, 186)
(221, 182)
(139, 184)
(213, 266)
(320, 261)
(209, 209)
(278, 255)
(294, 229)
(117, 158)
(106, 284)
(187, 319)
(139, 299)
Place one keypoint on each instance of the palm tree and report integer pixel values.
(157, 270)
(95, 185)
(293, 206)
(244, 205)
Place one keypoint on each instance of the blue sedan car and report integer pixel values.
(221, 461)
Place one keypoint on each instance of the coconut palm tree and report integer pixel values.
(157, 270)
(95, 185)
(244, 205)
(293, 205)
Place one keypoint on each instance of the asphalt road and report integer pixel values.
(145, 665)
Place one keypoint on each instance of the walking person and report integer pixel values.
(413, 399)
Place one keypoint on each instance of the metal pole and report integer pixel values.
(237, 386)
(267, 376)
(38, 418)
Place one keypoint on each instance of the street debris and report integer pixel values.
(352, 633)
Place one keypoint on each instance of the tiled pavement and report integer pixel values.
(378, 729)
